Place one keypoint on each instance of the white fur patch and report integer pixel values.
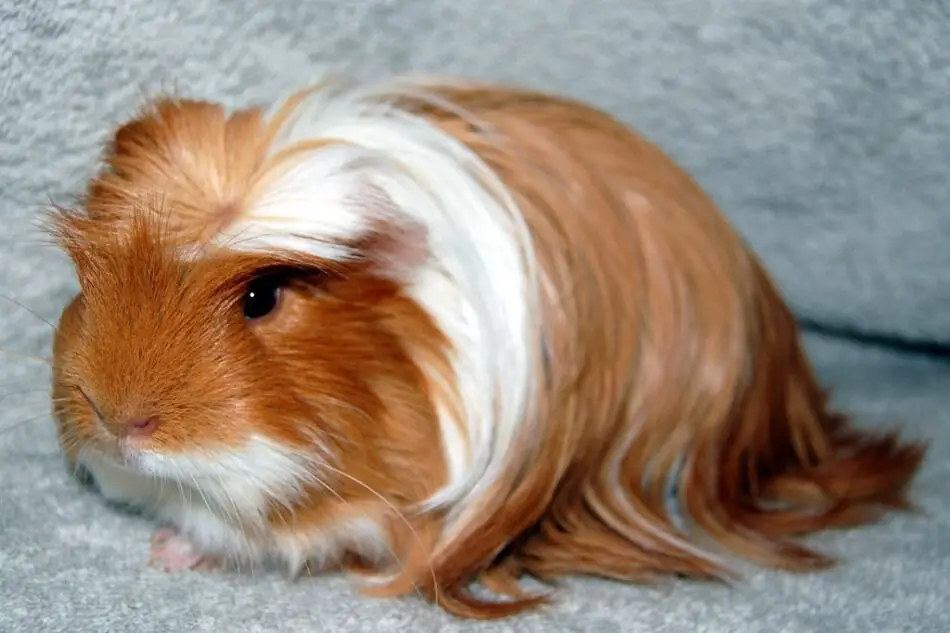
(309, 207)
(212, 498)
(240, 482)
(358, 534)
(478, 284)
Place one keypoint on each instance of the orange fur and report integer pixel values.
(660, 327)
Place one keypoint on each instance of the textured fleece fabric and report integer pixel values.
(822, 127)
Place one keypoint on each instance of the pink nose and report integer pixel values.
(142, 426)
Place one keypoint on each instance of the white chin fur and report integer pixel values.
(219, 501)
(241, 482)
(478, 283)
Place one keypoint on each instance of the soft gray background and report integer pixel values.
(821, 126)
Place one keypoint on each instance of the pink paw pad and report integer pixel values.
(173, 552)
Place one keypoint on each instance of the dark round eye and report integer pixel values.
(261, 297)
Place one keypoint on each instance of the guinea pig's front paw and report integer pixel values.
(173, 551)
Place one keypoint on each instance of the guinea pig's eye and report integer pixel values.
(261, 297)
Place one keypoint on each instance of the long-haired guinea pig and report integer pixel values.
(441, 335)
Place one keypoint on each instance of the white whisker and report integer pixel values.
(22, 423)
(38, 359)
(402, 518)
(30, 310)
(386, 544)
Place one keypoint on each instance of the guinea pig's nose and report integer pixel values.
(142, 426)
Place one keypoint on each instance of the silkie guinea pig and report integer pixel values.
(441, 334)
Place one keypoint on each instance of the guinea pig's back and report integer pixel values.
(645, 287)
(672, 359)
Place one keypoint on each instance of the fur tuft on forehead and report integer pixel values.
(247, 182)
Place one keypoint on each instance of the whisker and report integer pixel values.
(159, 499)
(30, 310)
(30, 406)
(181, 488)
(38, 359)
(14, 242)
(70, 441)
(22, 423)
(23, 392)
(234, 520)
(333, 492)
(43, 403)
(346, 406)
(402, 517)
(201, 493)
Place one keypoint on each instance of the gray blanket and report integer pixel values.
(821, 126)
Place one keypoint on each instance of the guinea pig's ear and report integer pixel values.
(395, 244)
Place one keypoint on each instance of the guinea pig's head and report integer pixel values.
(267, 369)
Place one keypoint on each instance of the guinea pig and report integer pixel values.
(441, 334)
